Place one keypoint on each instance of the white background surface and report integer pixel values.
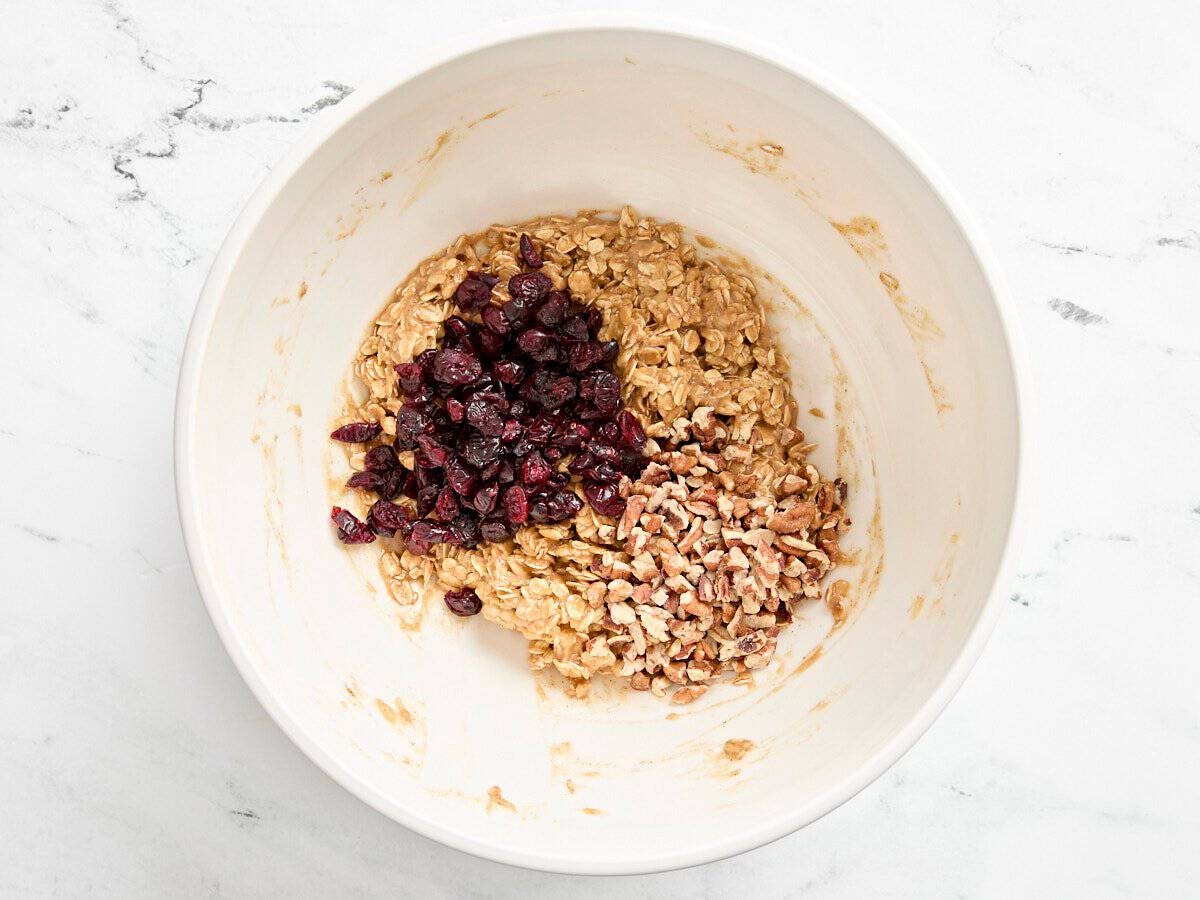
(133, 761)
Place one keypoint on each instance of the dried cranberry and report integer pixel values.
(455, 366)
(480, 450)
(529, 286)
(446, 507)
(357, 432)
(553, 310)
(490, 280)
(427, 498)
(556, 508)
(529, 253)
(472, 295)
(460, 478)
(388, 517)
(609, 434)
(561, 390)
(495, 321)
(605, 498)
(633, 436)
(381, 459)
(412, 377)
(465, 531)
(434, 451)
(516, 504)
(517, 309)
(422, 537)
(583, 356)
(506, 473)
(484, 500)
(608, 351)
(455, 409)
(582, 463)
(574, 329)
(539, 345)
(509, 371)
(602, 389)
(484, 418)
(457, 329)
(367, 481)
(349, 529)
(491, 344)
(572, 435)
(511, 430)
(604, 472)
(534, 469)
(495, 530)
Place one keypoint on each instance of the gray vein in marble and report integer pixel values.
(1071, 249)
(40, 535)
(1073, 312)
(1019, 599)
(1190, 241)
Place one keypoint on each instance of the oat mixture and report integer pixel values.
(726, 528)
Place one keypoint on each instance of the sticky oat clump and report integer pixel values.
(727, 526)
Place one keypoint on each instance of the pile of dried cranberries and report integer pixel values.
(512, 404)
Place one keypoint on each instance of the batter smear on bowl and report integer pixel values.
(582, 428)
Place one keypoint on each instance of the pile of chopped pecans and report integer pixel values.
(709, 565)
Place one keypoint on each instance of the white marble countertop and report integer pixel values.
(134, 762)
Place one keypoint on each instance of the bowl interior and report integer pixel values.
(893, 336)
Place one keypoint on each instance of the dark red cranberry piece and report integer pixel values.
(434, 451)
(517, 310)
(516, 504)
(604, 472)
(491, 344)
(490, 280)
(572, 435)
(392, 482)
(495, 529)
(540, 430)
(511, 430)
(594, 320)
(632, 464)
(357, 432)
(605, 498)
(412, 377)
(484, 500)
(446, 507)
(460, 478)
(521, 410)
(455, 366)
(583, 356)
(604, 451)
(349, 529)
(484, 417)
(556, 508)
(367, 481)
(465, 531)
(608, 351)
(506, 473)
(553, 310)
(582, 463)
(603, 389)
(381, 458)
(458, 329)
(574, 329)
(534, 469)
(422, 537)
(388, 517)
(495, 321)
(414, 419)
(529, 286)
(480, 450)
(529, 253)
(560, 391)
(633, 436)
(490, 471)
(427, 499)
(509, 371)
(609, 434)
(552, 453)
(472, 295)
(538, 344)
(455, 409)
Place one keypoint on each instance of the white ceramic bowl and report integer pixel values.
(894, 330)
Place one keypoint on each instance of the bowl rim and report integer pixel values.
(200, 330)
